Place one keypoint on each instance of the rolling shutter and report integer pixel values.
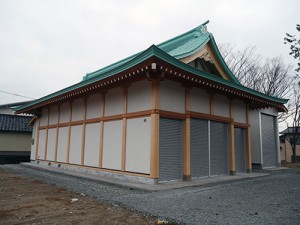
(199, 148)
(170, 149)
(268, 140)
(240, 149)
(219, 148)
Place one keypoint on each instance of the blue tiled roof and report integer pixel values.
(12, 123)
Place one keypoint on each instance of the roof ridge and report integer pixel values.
(196, 32)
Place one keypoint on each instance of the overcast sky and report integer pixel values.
(48, 45)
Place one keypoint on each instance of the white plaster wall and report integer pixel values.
(138, 145)
(172, 96)
(114, 102)
(62, 144)
(139, 96)
(53, 116)
(41, 146)
(239, 111)
(221, 106)
(199, 101)
(92, 144)
(255, 136)
(75, 144)
(34, 140)
(112, 145)
(94, 106)
(44, 117)
(51, 144)
(77, 109)
(64, 116)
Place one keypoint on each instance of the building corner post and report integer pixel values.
(232, 170)
(187, 139)
(248, 143)
(154, 135)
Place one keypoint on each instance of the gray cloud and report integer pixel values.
(48, 45)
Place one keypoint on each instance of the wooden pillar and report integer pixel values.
(187, 139)
(124, 128)
(38, 138)
(83, 130)
(211, 104)
(248, 143)
(57, 134)
(101, 130)
(154, 138)
(232, 170)
(69, 133)
(47, 130)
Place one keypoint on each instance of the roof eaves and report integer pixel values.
(151, 51)
(206, 75)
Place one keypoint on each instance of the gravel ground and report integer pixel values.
(272, 199)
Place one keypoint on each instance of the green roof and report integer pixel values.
(178, 47)
(169, 51)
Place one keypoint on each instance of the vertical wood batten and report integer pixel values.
(187, 139)
(101, 130)
(248, 143)
(232, 170)
(57, 134)
(211, 104)
(38, 139)
(83, 131)
(154, 136)
(69, 134)
(47, 129)
(124, 126)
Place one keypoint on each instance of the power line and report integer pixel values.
(9, 93)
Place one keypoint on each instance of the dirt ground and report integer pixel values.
(25, 201)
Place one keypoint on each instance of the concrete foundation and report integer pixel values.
(91, 171)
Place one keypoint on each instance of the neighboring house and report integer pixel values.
(8, 108)
(174, 111)
(15, 139)
(285, 147)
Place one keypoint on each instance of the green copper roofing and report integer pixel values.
(179, 47)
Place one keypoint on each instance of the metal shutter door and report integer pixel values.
(268, 140)
(240, 149)
(219, 148)
(170, 149)
(199, 148)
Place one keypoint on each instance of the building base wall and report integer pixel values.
(95, 172)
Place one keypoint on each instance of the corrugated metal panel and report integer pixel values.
(219, 148)
(240, 149)
(170, 149)
(268, 140)
(199, 148)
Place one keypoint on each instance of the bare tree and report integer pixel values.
(293, 136)
(270, 76)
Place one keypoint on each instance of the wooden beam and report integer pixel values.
(101, 130)
(46, 142)
(124, 128)
(187, 139)
(232, 170)
(69, 134)
(83, 131)
(154, 136)
(248, 143)
(57, 134)
(38, 139)
(211, 104)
